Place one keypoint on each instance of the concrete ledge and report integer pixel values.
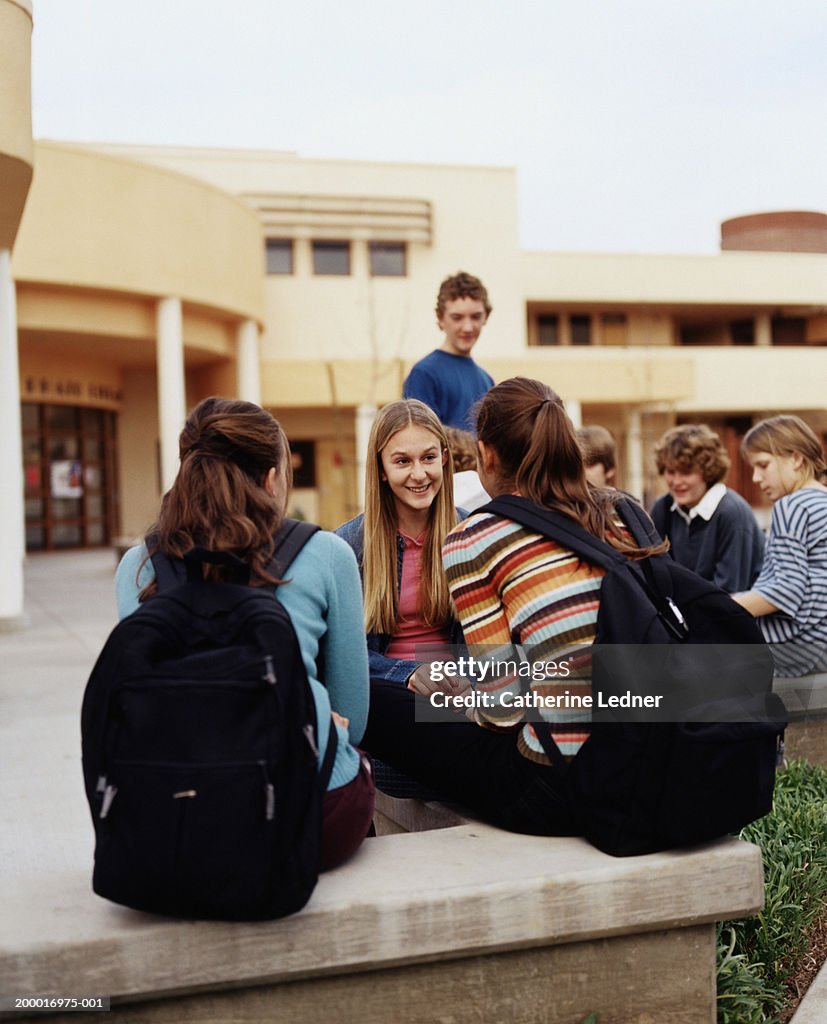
(427, 897)
(806, 701)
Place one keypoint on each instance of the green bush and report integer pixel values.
(756, 955)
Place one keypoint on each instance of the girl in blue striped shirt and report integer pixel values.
(790, 594)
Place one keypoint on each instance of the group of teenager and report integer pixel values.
(416, 570)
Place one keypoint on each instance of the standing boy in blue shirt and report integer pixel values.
(448, 380)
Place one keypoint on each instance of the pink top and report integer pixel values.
(411, 631)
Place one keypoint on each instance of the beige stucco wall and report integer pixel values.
(473, 227)
(756, 380)
(102, 222)
(732, 278)
(15, 114)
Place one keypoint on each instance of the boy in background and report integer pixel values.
(598, 447)
(448, 379)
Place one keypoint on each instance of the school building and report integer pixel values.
(135, 281)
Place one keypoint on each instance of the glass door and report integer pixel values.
(70, 479)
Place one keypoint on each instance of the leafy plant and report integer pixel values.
(756, 955)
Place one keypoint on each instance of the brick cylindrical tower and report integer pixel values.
(782, 231)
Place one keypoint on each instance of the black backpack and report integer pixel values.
(199, 748)
(644, 785)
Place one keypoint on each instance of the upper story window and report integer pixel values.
(279, 255)
(581, 329)
(789, 330)
(387, 259)
(548, 329)
(331, 258)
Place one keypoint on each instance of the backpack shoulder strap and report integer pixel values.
(556, 527)
(654, 568)
(169, 572)
(292, 536)
(639, 523)
(290, 539)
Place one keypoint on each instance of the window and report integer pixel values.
(613, 329)
(279, 255)
(742, 332)
(303, 455)
(548, 329)
(331, 257)
(387, 259)
(581, 329)
(789, 330)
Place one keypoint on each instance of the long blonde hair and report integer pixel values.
(379, 560)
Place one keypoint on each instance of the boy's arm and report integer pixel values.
(422, 385)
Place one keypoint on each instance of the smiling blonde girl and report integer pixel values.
(398, 540)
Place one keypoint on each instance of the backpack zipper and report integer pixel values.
(269, 794)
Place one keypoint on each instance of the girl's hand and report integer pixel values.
(340, 719)
(420, 682)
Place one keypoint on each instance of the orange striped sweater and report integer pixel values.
(511, 586)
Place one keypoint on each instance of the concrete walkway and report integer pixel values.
(44, 820)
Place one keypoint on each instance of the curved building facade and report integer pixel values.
(138, 293)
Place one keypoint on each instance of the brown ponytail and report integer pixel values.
(219, 500)
(526, 424)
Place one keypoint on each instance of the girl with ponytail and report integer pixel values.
(230, 495)
(513, 589)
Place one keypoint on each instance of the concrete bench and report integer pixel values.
(460, 923)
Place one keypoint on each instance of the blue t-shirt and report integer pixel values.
(449, 384)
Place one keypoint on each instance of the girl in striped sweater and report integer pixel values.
(514, 591)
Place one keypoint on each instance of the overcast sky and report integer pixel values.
(635, 125)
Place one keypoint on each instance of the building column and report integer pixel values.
(247, 362)
(633, 470)
(359, 259)
(763, 329)
(171, 389)
(365, 415)
(574, 408)
(12, 512)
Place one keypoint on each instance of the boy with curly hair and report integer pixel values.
(711, 529)
(448, 379)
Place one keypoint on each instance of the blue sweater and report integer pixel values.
(324, 599)
(449, 384)
(727, 549)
